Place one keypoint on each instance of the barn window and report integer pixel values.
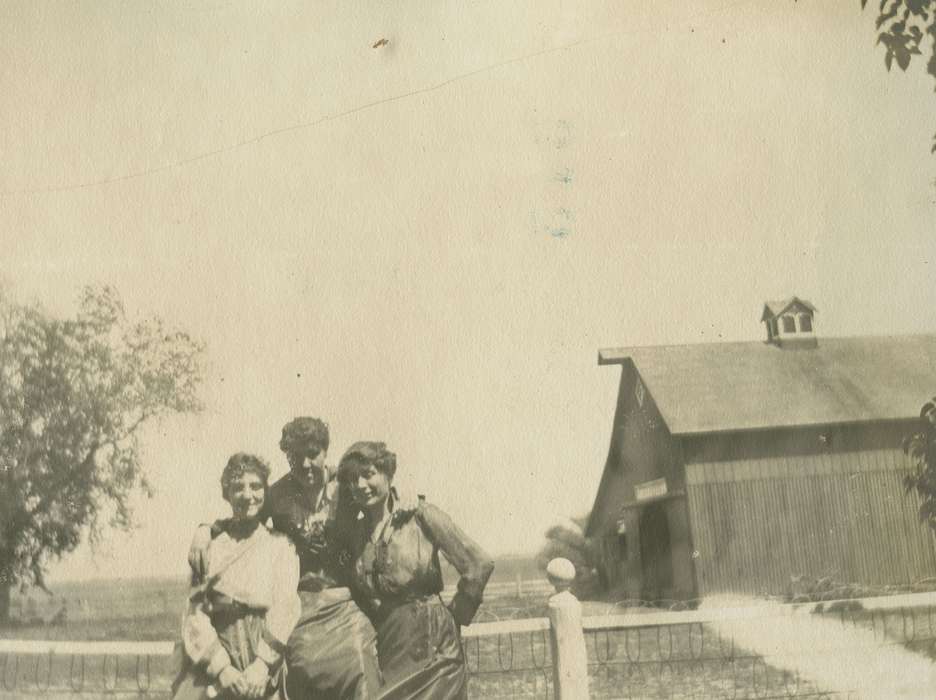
(805, 323)
(789, 324)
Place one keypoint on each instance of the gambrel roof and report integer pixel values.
(720, 387)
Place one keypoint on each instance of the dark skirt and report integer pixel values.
(331, 654)
(420, 652)
(193, 685)
(239, 631)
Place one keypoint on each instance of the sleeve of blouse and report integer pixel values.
(198, 554)
(199, 638)
(284, 608)
(472, 562)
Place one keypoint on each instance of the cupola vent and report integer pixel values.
(790, 323)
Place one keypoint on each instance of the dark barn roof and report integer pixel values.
(720, 387)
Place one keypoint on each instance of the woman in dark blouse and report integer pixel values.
(397, 577)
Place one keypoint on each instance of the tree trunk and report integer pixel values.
(5, 590)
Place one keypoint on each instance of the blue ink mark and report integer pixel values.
(563, 134)
(564, 176)
(556, 229)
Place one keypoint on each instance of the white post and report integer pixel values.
(570, 664)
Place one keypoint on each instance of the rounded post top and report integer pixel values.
(561, 574)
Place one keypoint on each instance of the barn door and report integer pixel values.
(655, 556)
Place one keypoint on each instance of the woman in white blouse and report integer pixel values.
(240, 615)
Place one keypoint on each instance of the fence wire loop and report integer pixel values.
(608, 654)
(665, 675)
(500, 657)
(465, 647)
(905, 615)
(143, 663)
(40, 685)
(669, 637)
(6, 671)
(76, 686)
(104, 675)
(879, 625)
(692, 653)
(633, 658)
(536, 663)
(730, 655)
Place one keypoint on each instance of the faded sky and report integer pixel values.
(427, 242)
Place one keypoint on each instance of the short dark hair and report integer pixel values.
(366, 454)
(244, 463)
(305, 433)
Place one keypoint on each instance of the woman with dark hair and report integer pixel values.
(331, 653)
(396, 573)
(243, 604)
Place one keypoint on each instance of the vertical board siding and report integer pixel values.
(758, 522)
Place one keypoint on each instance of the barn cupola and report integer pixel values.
(790, 323)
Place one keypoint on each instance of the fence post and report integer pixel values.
(570, 664)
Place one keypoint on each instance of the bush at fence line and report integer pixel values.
(811, 589)
(566, 539)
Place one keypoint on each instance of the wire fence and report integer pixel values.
(880, 647)
(764, 651)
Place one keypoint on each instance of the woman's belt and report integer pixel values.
(390, 603)
(221, 604)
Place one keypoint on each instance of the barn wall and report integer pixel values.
(641, 449)
(795, 442)
(602, 522)
(757, 521)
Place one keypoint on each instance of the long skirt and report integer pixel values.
(238, 631)
(194, 685)
(332, 654)
(420, 652)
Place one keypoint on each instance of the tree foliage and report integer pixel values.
(73, 395)
(920, 447)
(906, 28)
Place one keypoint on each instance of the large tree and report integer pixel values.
(921, 448)
(907, 28)
(74, 393)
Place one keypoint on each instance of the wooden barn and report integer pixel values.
(735, 466)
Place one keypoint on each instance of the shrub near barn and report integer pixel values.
(566, 539)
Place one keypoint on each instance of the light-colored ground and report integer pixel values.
(857, 660)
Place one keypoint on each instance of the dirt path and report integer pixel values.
(856, 660)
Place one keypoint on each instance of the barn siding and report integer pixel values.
(758, 521)
(641, 450)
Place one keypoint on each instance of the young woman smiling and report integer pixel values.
(397, 575)
(243, 608)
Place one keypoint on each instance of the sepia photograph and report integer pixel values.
(574, 350)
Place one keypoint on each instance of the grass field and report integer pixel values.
(144, 609)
